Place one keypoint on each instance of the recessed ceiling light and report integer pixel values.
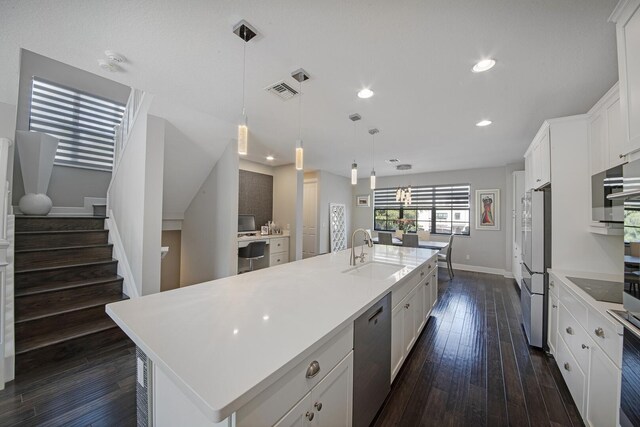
(365, 93)
(483, 123)
(484, 65)
(270, 158)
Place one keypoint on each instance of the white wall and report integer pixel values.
(135, 200)
(288, 187)
(210, 225)
(486, 249)
(68, 186)
(332, 189)
(247, 165)
(573, 247)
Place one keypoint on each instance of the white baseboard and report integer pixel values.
(129, 287)
(476, 269)
(86, 210)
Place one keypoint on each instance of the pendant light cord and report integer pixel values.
(244, 66)
(300, 110)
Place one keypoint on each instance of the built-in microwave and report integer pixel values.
(604, 209)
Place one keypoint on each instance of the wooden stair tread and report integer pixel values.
(28, 233)
(34, 290)
(69, 307)
(57, 267)
(65, 334)
(60, 248)
(59, 216)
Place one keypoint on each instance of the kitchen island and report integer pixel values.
(228, 351)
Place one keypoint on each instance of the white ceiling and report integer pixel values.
(555, 58)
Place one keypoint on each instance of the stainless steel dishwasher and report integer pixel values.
(371, 361)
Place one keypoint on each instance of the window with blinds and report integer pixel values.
(84, 124)
(442, 209)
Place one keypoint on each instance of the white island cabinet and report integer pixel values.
(274, 346)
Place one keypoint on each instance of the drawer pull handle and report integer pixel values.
(599, 332)
(554, 306)
(422, 273)
(621, 156)
(318, 406)
(313, 369)
(552, 284)
(567, 366)
(309, 415)
(585, 347)
(407, 305)
(569, 330)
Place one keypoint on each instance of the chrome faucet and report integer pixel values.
(367, 239)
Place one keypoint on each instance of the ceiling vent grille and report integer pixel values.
(403, 167)
(392, 161)
(282, 90)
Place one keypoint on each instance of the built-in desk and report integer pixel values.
(276, 252)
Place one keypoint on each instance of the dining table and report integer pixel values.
(427, 244)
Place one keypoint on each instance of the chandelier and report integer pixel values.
(403, 195)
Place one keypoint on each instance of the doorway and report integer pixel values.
(310, 219)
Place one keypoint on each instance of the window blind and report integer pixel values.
(83, 123)
(438, 197)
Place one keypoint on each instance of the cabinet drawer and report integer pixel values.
(277, 399)
(575, 306)
(572, 374)
(277, 259)
(575, 337)
(279, 245)
(398, 294)
(604, 333)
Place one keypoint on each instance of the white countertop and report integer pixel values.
(600, 306)
(223, 342)
(258, 236)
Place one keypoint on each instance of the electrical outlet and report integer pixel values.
(140, 371)
(468, 257)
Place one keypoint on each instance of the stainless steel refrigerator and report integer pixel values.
(536, 258)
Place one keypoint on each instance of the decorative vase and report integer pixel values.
(37, 152)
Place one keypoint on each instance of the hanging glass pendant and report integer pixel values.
(243, 136)
(373, 179)
(299, 155)
(354, 173)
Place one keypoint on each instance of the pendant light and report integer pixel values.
(354, 166)
(373, 132)
(300, 75)
(246, 32)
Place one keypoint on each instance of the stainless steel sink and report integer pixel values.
(375, 270)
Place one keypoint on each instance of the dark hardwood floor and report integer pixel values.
(473, 367)
(96, 390)
(470, 367)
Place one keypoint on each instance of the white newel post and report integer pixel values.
(6, 271)
(37, 152)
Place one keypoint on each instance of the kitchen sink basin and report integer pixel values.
(375, 270)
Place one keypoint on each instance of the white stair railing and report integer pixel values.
(128, 119)
(7, 349)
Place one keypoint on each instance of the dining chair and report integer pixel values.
(446, 257)
(385, 238)
(410, 240)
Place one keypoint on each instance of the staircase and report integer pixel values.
(64, 277)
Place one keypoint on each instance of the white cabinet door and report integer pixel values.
(528, 171)
(598, 150)
(409, 329)
(397, 346)
(553, 322)
(426, 298)
(615, 135)
(419, 316)
(434, 288)
(332, 398)
(604, 387)
(299, 415)
(542, 158)
(628, 36)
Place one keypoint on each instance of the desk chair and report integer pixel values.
(410, 240)
(254, 250)
(384, 238)
(447, 257)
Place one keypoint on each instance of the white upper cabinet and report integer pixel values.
(627, 18)
(606, 135)
(538, 160)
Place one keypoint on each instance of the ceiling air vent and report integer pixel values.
(282, 90)
(392, 161)
(403, 167)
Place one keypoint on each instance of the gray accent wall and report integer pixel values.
(255, 196)
(68, 186)
(484, 249)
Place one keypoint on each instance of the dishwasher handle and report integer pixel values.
(377, 313)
